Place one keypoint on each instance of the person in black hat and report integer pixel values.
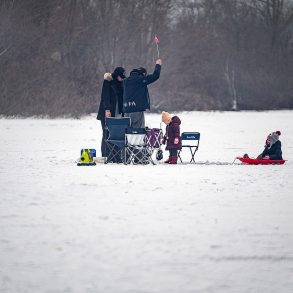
(111, 101)
(135, 94)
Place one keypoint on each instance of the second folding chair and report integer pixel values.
(190, 140)
(137, 150)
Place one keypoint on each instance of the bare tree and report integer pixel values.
(228, 54)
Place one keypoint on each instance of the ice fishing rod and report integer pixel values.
(156, 41)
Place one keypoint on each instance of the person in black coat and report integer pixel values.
(273, 148)
(136, 95)
(111, 101)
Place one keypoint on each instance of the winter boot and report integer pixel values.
(173, 160)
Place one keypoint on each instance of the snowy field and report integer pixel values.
(212, 227)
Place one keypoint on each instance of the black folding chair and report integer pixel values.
(192, 142)
(116, 139)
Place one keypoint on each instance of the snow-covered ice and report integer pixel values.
(214, 227)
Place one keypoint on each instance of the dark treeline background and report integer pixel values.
(217, 54)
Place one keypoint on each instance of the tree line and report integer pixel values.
(217, 54)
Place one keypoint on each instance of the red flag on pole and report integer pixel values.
(156, 40)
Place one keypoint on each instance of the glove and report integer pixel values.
(176, 140)
(267, 157)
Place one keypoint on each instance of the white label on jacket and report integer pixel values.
(130, 104)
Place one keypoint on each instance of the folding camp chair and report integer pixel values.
(136, 148)
(193, 143)
(116, 139)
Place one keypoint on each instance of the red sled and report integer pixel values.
(251, 161)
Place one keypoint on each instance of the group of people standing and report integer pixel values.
(126, 97)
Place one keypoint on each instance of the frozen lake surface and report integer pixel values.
(213, 227)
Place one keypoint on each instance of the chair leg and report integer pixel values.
(124, 159)
(115, 154)
(149, 156)
(179, 156)
(192, 154)
(111, 153)
(150, 151)
(129, 155)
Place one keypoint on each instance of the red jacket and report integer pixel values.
(173, 134)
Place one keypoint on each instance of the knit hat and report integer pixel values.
(142, 71)
(118, 71)
(274, 137)
(166, 117)
(139, 71)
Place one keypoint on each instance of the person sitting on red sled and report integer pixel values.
(273, 147)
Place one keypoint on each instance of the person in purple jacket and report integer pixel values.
(172, 136)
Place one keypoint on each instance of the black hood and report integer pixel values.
(176, 119)
(119, 71)
(139, 71)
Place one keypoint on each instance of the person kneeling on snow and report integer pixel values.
(172, 136)
(273, 147)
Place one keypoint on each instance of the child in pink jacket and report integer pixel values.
(172, 136)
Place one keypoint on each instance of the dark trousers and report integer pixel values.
(173, 152)
(137, 119)
(104, 149)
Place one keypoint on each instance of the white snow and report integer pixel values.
(211, 227)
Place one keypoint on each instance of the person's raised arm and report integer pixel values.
(150, 78)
